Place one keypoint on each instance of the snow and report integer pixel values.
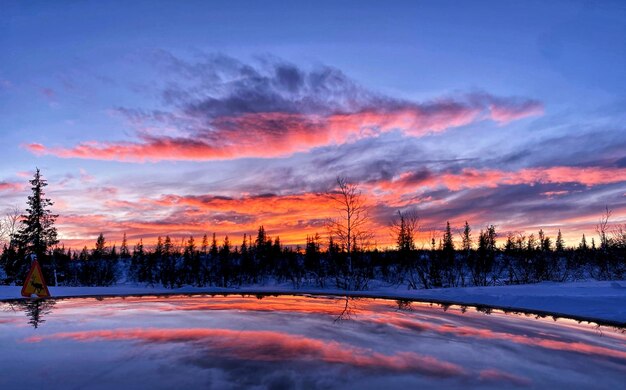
(599, 301)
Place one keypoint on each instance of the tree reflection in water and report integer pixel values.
(298, 341)
(348, 309)
(404, 304)
(35, 309)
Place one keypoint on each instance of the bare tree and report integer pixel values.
(619, 235)
(351, 226)
(3, 233)
(10, 225)
(602, 228)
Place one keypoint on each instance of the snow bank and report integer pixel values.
(593, 300)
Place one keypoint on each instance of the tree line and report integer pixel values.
(345, 259)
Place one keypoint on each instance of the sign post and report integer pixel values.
(34, 282)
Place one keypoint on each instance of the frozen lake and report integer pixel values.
(282, 342)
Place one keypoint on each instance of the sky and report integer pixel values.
(184, 118)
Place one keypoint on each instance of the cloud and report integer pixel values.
(292, 217)
(225, 109)
(6, 186)
(36, 148)
(491, 178)
(515, 201)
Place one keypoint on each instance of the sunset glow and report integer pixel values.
(185, 127)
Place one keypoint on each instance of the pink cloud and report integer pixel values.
(11, 186)
(36, 148)
(506, 114)
(275, 134)
(477, 178)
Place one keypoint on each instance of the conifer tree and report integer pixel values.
(205, 244)
(448, 256)
(137, 264)
(38, 233)
(277, 248)
(544, 242)
(224, 258)
(244, 244)
(559, 242)
(124, 252)
(191, 265)
(467, 238)
(214, 249)
(168, 247)
(404, 228)
(448, 245)
(100, 249)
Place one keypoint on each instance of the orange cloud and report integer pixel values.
(294, 216)
(291, 217)
(274, 134)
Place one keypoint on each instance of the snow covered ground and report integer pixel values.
(594, 300)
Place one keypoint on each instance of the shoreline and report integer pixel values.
(578, 307)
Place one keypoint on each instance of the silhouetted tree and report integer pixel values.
(448, 257)
(124, 252)
(37, 233)
(191, 264)
(350, 228)
(466, 252)
(404, 227)
(560, 245)
(224, 257)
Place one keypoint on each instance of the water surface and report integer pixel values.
(282, 342)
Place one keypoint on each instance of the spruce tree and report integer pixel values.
(467, 238)
(224, 259)
(136, 263)
(214, 249)
(191, 264)
(448, 244)
(448, 256)
(38, 233)
(559, 242)
(100, 250)
(205, 245)
(583, 244)
(124, 252)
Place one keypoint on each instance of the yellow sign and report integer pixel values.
(34, 282)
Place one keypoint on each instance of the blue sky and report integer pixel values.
(79, 73)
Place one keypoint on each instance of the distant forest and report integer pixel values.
(342, 260)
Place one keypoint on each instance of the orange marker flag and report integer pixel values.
(35, 283)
